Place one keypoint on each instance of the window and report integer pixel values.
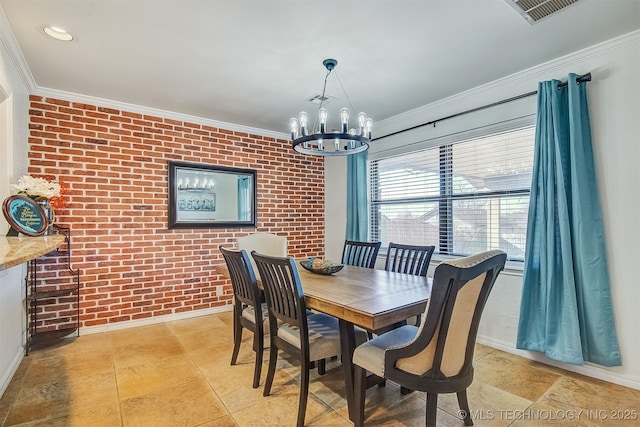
(463, 197)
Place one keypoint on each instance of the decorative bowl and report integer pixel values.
(330, 269)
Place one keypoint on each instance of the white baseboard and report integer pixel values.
(7, 375)
(589, 370)
(152, 320)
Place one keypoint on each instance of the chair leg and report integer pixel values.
(259, 343)
(404, 390)
(464, 407)
(359, 389)
(237, 339)
(304, 392)
(273, 356)
(432, 409)
(322, 366)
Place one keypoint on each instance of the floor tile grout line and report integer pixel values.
(562, 382)
(204, 377)
(115, 376)
(18, 391)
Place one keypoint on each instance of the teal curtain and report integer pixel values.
(357, 212)
(566, 309)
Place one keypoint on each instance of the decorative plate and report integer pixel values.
(330, 269)
(25, 215)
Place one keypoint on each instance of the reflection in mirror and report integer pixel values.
(211, 196)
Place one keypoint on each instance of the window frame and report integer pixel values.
(446, 197)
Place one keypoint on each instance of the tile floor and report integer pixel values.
(178, 374)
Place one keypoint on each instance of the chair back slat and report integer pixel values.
(360, 254)
(283, 292)
(409, 259)
(243, 278)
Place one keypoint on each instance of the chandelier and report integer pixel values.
(319, 141)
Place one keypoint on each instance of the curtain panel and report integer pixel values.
(357, 209)
(566, 310)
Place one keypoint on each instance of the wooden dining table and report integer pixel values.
(364, 297)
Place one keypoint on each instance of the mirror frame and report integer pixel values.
(175, 221)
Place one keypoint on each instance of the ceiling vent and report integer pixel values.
(535, 10)
(317, 99)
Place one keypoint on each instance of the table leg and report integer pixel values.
(348, 345)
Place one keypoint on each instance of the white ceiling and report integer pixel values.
(254, 63)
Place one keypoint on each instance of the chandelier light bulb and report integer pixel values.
(303, 123)
(344, 119)
(362, 122)
(368, 127)
(293, 126)
(352, 143)
(322, 119)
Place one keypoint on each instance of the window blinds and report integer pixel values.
(463, 197)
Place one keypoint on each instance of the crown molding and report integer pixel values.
(501, 88)
(134, 108)
(10, 44)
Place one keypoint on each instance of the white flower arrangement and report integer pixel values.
(37, 188)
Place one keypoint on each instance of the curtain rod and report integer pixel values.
(582, 78)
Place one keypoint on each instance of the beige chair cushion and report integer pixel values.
(249, 314)
(324, 336)
(456, 345)
(370, 355)
(457, 336)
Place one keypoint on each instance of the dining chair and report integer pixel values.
(360, 254)
(263, 243)
(436, 357)
(248, 310)
(409, 259)
(306, 336)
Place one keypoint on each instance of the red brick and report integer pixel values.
(115, 165)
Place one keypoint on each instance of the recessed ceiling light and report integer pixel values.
(58, 33)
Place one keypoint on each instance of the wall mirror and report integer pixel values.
(207, 196)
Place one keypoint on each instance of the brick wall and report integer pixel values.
(114, 164)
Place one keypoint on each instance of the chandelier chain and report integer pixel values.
(316, 126)
(345, 93)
